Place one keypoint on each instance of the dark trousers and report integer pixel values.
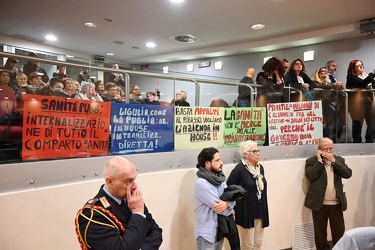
(361, 107)
(334, 214)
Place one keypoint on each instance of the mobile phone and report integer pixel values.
(321, 155)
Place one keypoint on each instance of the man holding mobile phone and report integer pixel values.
(325, 196)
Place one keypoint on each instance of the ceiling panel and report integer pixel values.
(222, 26)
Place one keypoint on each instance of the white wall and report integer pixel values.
(44, 218)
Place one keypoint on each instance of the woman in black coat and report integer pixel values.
(297, 78)
(180, 100)
(252, 210)
(361, 103)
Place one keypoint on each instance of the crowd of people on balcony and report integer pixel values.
(280, 83)
(31, 78)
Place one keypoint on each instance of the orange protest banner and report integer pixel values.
(56, 127)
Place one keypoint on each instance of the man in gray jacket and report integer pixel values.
(326, 197)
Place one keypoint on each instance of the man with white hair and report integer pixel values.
(325, 196)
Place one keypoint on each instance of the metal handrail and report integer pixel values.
(346, 106)
(297, 90)
(127, 73)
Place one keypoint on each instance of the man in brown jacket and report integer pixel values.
(326, 197)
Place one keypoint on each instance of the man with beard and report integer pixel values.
(208, 188)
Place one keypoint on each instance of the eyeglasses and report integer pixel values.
(322, 71)
(254, 151)
(358, 66)
(299, 64)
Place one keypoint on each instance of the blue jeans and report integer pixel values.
(308, 94)
(203, 244)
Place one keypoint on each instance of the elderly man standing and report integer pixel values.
(117, 218)
(208, 188)
(325, 196)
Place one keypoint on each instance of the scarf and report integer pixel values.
(215, 179)
(255, 172)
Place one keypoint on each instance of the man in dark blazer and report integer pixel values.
(325, 196)
(117, 218)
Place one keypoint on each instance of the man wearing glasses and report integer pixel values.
(325, 196)
(135, 95)
(111, 94)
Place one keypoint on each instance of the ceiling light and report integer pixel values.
(69, 56)
(109, 54)
(258, 26)
(176, 1)
(50, 38)
(150, 44)
(91, 25)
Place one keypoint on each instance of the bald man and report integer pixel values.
(325, 196)
(244, 91)
(117, 218)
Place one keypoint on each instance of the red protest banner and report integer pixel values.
(56, 127)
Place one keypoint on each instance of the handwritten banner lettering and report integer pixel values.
(141, 128)
(296, 123)
(198, 127)
(55, 127)
(242, 124)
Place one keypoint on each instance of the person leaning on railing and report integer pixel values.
(270, 79)
(361, 102)
(297, 78)
(331, 109)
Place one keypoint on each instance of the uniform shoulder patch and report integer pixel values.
(104, 201)
(90, 203)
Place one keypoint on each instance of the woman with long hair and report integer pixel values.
(332, 111)
(361, 103)
(270, 79)
(298, 79)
